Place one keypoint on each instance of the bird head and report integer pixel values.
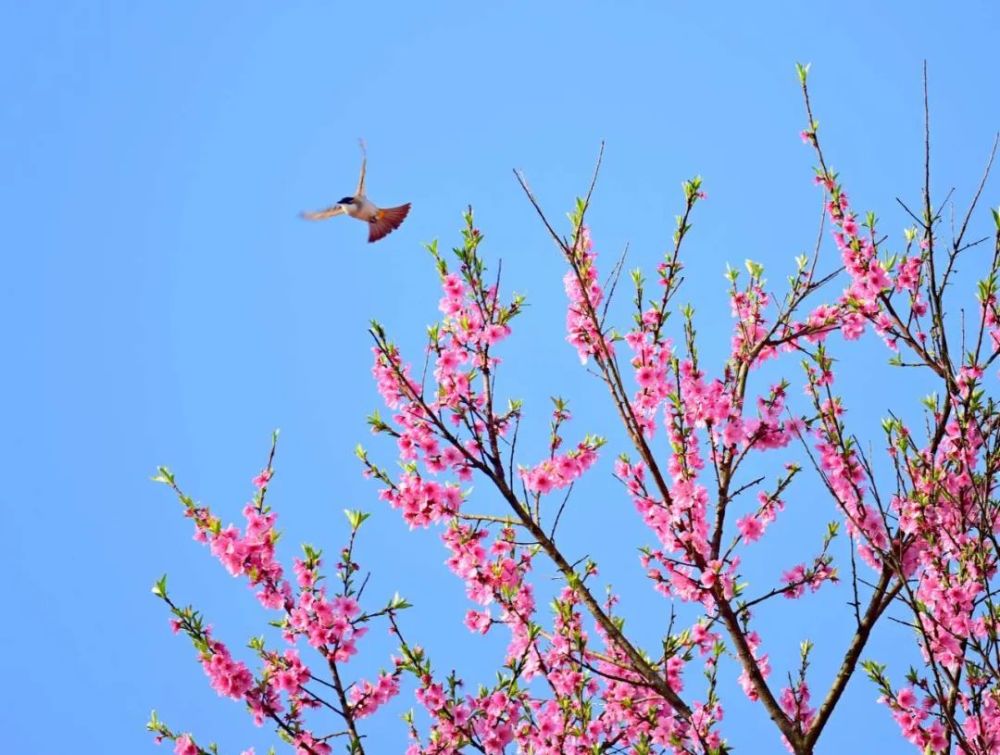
(348, 200)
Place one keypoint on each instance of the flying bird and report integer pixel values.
(381, 221)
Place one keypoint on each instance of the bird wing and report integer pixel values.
(387, 221)
(361, 179)
(330, 212)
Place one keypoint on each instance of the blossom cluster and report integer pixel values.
(331, 625)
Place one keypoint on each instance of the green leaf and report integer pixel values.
(160, 587)
(163, 475)
(398, 603)
(355, 518)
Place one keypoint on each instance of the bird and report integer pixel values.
(381, 221)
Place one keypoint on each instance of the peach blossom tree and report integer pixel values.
(921, 512)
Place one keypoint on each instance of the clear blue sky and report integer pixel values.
(163, 304)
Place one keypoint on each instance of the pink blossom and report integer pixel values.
(751, 528)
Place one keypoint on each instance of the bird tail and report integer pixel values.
(386, 221)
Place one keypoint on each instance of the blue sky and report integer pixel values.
(164, 305)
